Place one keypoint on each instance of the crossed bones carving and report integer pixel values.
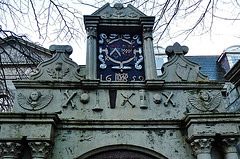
(126, 99)
(69, 99)
(168, 99)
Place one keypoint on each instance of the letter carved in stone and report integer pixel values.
(10, 149)
(205, 100)
(35, 101)
(40, 149)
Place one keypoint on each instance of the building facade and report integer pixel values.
(19, 59)
(118, 107)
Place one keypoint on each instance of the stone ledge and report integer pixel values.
(210, 125)
(33, 125)
(120, 124)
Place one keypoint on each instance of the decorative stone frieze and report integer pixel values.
(40, 149)
(202, 147)
(10, 149)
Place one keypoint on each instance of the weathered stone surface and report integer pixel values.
(180, 68)
(60, 67)
(10, 149)
(85, 117)
(156, 140)
(40, 149)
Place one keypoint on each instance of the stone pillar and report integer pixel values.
(229, 148)
(10, 150)
(91, 63)
(149, 57)
(40, 149)
(202, 148)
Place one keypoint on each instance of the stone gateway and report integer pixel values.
(117, 107)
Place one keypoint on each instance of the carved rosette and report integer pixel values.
(229, 145)
(40, 149)
(91, 32)
(202, 146)
(147, 33)
(10, 149)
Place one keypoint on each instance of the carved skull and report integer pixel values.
(157, 98)
(84, 98)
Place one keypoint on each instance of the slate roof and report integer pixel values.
(209, 67)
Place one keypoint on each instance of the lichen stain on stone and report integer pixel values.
(150, 138)
(159, 132)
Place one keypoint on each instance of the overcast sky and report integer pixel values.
(223, 33)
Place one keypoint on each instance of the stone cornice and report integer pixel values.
(210, 124)
(30, 118)
(96, 84)
(120, 124)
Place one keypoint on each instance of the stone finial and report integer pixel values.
(61, 49)
(179, 68)
(118, 6)
(176, 49)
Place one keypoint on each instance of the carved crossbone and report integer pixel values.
(168, 99)
(126, 99)
(69, 99)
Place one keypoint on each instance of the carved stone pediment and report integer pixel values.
(118, 12)
(179, 68)
(60, 67)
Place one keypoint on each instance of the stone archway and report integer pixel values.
(122, 152)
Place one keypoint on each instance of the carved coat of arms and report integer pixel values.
(120, 57)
